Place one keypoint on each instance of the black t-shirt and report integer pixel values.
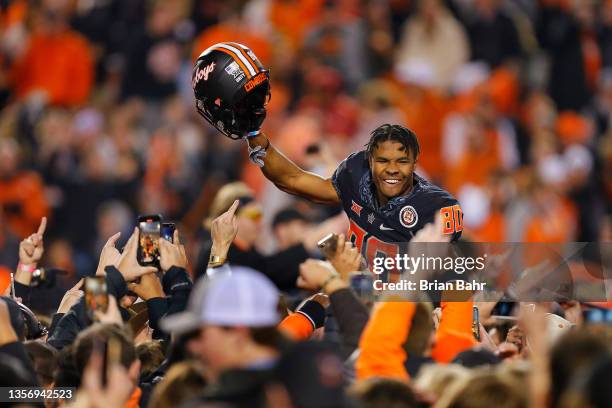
(374, 229)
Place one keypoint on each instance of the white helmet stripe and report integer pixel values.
(246, 62)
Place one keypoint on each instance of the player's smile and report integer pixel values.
(392, 167)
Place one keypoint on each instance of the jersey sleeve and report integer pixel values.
(344, 178)
(452, 218)
(338, 176)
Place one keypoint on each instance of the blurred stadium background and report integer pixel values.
(511, 100)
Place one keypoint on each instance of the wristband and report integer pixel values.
(252, 134)
(314, 312)
(29, 268)
(333, 275)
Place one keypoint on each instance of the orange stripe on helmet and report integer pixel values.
(240, 47)
(236, 58)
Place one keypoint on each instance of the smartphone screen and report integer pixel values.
(149, 227)
(167, 231)
(96, 295)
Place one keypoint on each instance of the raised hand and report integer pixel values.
(223, 231)
(31, 249)
(112, 314)
(171, 254)
(109, 255)
(432, 232)
(347, 258)
(149, 287)
(319, 275)
(71, 297)
(94, 394)
(128, 264)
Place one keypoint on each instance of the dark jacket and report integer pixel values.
(75, 320)
(351, 317)
(176, 284)
(17, 350)
(239, 388)
(282, 268)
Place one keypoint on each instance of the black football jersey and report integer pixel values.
(377, 230)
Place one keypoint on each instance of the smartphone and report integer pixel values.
(476, 322)
(328, 245)
(167, 231)
(96, 295)
(149, 228)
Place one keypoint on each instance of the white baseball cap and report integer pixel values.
(241, 297)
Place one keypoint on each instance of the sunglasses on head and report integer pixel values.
(253, 213)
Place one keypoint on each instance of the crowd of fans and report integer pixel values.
(511, 102)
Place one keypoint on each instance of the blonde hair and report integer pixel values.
(183, 381)
(434, 379)
(224, 199)
(484, 388)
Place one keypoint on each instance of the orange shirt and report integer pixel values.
(476, 165)
(293, 19)
(425, 111)
(493, 229)
(230, 33)
(557, 224)
(61, 65)
(381, 344)
(297, 326)
(25, 190)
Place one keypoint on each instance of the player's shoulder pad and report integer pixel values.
(354, 161)
(346, 178)
(434, 195)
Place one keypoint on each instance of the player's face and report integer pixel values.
(392, 167)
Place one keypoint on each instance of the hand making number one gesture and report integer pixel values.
(31, 249)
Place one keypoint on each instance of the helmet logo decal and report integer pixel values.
(258, 79)
(234, 70)
(202, 74)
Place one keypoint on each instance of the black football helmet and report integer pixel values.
(231, 89)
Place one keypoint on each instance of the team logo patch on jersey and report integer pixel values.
(408, 216)
(356, 208)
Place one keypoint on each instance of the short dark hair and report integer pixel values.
(101, 333)
(151, 355)
(287, 215)
(395, 133)
(44, 359)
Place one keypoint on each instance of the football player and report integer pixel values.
(385, 200)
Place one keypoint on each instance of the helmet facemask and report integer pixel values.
(246, 114)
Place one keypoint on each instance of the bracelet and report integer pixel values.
(215, 261)
(29, 268)
(330, 278)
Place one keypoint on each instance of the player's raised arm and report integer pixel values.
(290, 178)
(231, 89)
